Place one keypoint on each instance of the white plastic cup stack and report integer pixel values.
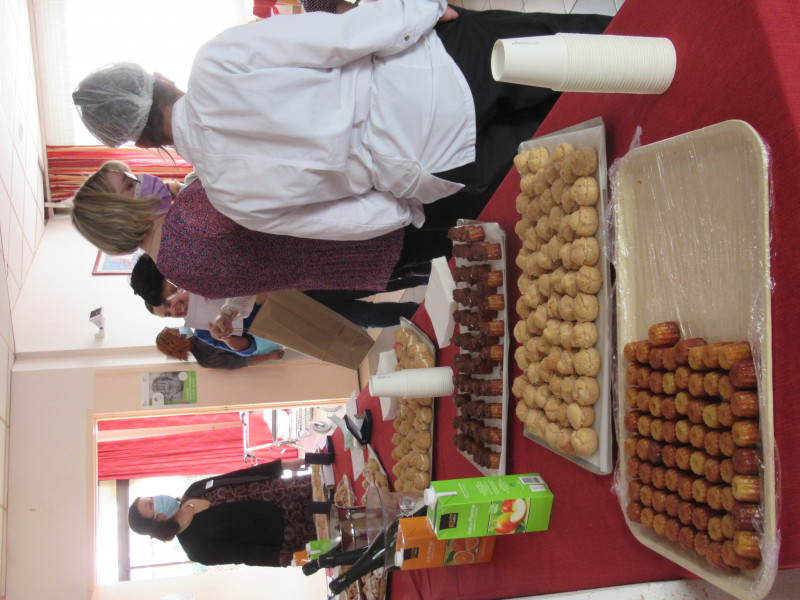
(413, 383)
(577, 62)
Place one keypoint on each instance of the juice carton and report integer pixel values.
(479, 506)
(418, 547)
(317, 547)
(300, 558)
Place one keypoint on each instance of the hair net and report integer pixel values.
(114, 102)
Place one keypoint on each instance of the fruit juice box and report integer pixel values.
(418, 547)
(479, 506)
(300, 558)
(317, 547)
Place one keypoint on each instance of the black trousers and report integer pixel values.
(349, 303)
(506, 114)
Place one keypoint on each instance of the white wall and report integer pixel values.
(52, 312)
(49, 515)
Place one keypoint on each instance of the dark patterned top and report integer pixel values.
(205, 252)
(291, 496)
(319, 5)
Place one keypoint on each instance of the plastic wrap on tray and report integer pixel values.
(696, 476)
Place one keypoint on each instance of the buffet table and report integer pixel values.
(735, 60)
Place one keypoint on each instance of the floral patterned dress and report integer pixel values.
(291, 495)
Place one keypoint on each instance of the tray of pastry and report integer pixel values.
(695, 423)
(374, 473)
(319, 494)
(481, 366)
(343, 495)
(420, 358)
(563, 326)
(412, 440)
(372, 586)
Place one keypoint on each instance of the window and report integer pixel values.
(123, 555)
(75, 37)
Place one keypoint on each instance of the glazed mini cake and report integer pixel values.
(693, 445)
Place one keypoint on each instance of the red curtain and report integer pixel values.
(69, 166)
(208, 452)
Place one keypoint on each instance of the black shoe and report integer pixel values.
(364, 434)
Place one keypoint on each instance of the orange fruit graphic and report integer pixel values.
(471, 544)
(457, 544)
(463, 557)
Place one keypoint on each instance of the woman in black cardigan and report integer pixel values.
(251, 516)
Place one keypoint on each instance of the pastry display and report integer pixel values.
(374, 473)
(557, 332)
(413, 425)
(343, 494)
(712, 461)
(467, 233)
(319, 494)
(482, 341)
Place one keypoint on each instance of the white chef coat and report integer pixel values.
(328, 126)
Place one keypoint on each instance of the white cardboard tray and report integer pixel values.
(692, 236)
(592, 133)
(423, 337)
(495, 234)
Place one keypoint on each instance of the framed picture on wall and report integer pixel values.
(106, 264)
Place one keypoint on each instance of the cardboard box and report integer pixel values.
(420, 549)
(480, 506)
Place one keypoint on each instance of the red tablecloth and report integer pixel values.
(736, 60)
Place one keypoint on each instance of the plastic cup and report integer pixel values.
(576, 62)
(540, 61)
(413, 383)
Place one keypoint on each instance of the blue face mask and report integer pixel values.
(165, 505)
(150, 185)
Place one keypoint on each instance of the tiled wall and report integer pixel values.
(21, 183)
(21, 203)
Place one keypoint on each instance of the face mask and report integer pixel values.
(165, 505)
(150, 185)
